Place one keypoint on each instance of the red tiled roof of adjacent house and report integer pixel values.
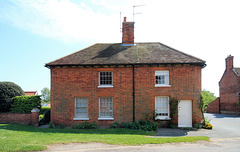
(115, 53)
(30, 93)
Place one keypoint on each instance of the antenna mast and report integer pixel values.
(120, 22)
(137, 12)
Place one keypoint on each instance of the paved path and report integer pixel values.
(225, 137)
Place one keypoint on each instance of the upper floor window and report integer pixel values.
(161, 78)
(105, 79)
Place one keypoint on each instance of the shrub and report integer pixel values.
(114, 125)
(43, 110)
(207, 124)
(24, 104)
(51, 125)
(144, 125)
(8, 90)
(46, 112)
(40, 117)
(85, 125)
(62, 126)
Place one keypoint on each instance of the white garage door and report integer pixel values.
(185, 113)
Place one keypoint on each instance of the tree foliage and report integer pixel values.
(46, 95)
(8, 90)
(207, 97)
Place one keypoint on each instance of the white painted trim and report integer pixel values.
(105, 118)
(163, 117)
(165, 73)
(80, 118)
(105, 86)
(75, 103)
(99, 79)
(162, 85)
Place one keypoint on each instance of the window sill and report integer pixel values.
(105, 86)
(162, 85)
(162, 118)
(80, 118)
(105, 118)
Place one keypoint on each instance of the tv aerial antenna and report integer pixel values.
(135, 13)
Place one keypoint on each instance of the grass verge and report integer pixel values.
(16, 137)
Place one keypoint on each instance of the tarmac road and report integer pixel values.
(225, 137)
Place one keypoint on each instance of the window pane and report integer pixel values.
(105, 78)
(81, 107)
(162, 106)
(105, 109)
(162, 77)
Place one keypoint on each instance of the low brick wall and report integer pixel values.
(21, 118)
(213, 107)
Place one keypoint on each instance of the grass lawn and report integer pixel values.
(16, 137)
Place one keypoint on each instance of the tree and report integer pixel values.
(46, 95)
(8, 90)
(207, 97)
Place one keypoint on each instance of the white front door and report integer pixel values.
(185, 113)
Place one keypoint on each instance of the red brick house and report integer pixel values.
(229, 88)
(123, 82)
(30, 93)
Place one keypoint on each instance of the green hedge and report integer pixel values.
(144, 125)
(24, 104)
(44, 110)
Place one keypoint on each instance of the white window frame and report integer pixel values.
(111, 108)
(75, 106)
(164, 73)
(104, 85)
(156, 111)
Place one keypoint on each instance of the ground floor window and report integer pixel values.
(81, 107)
(105, 108)
(162, 107)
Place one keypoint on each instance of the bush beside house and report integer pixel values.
(8, 90)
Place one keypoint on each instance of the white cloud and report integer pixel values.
(62, 20)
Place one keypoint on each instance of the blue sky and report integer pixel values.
(33, 33)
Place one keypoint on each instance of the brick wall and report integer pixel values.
(229, 87)
(68, 83)
(20, 118)
(213, 107)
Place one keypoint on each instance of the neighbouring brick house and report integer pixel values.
(229, 88)
(30, 93)
(123, 82)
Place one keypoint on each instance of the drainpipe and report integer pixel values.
(219, 110)
(133, 93)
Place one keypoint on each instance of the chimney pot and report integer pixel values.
(125, 19)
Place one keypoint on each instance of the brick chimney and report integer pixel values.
(229, 63)
(127, 33)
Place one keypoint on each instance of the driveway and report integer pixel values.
(224, 126)
(225, 136)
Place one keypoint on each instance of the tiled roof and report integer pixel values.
(29, 93)
(237, 71)
(115, 53)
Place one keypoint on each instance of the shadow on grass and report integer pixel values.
(28, 128)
